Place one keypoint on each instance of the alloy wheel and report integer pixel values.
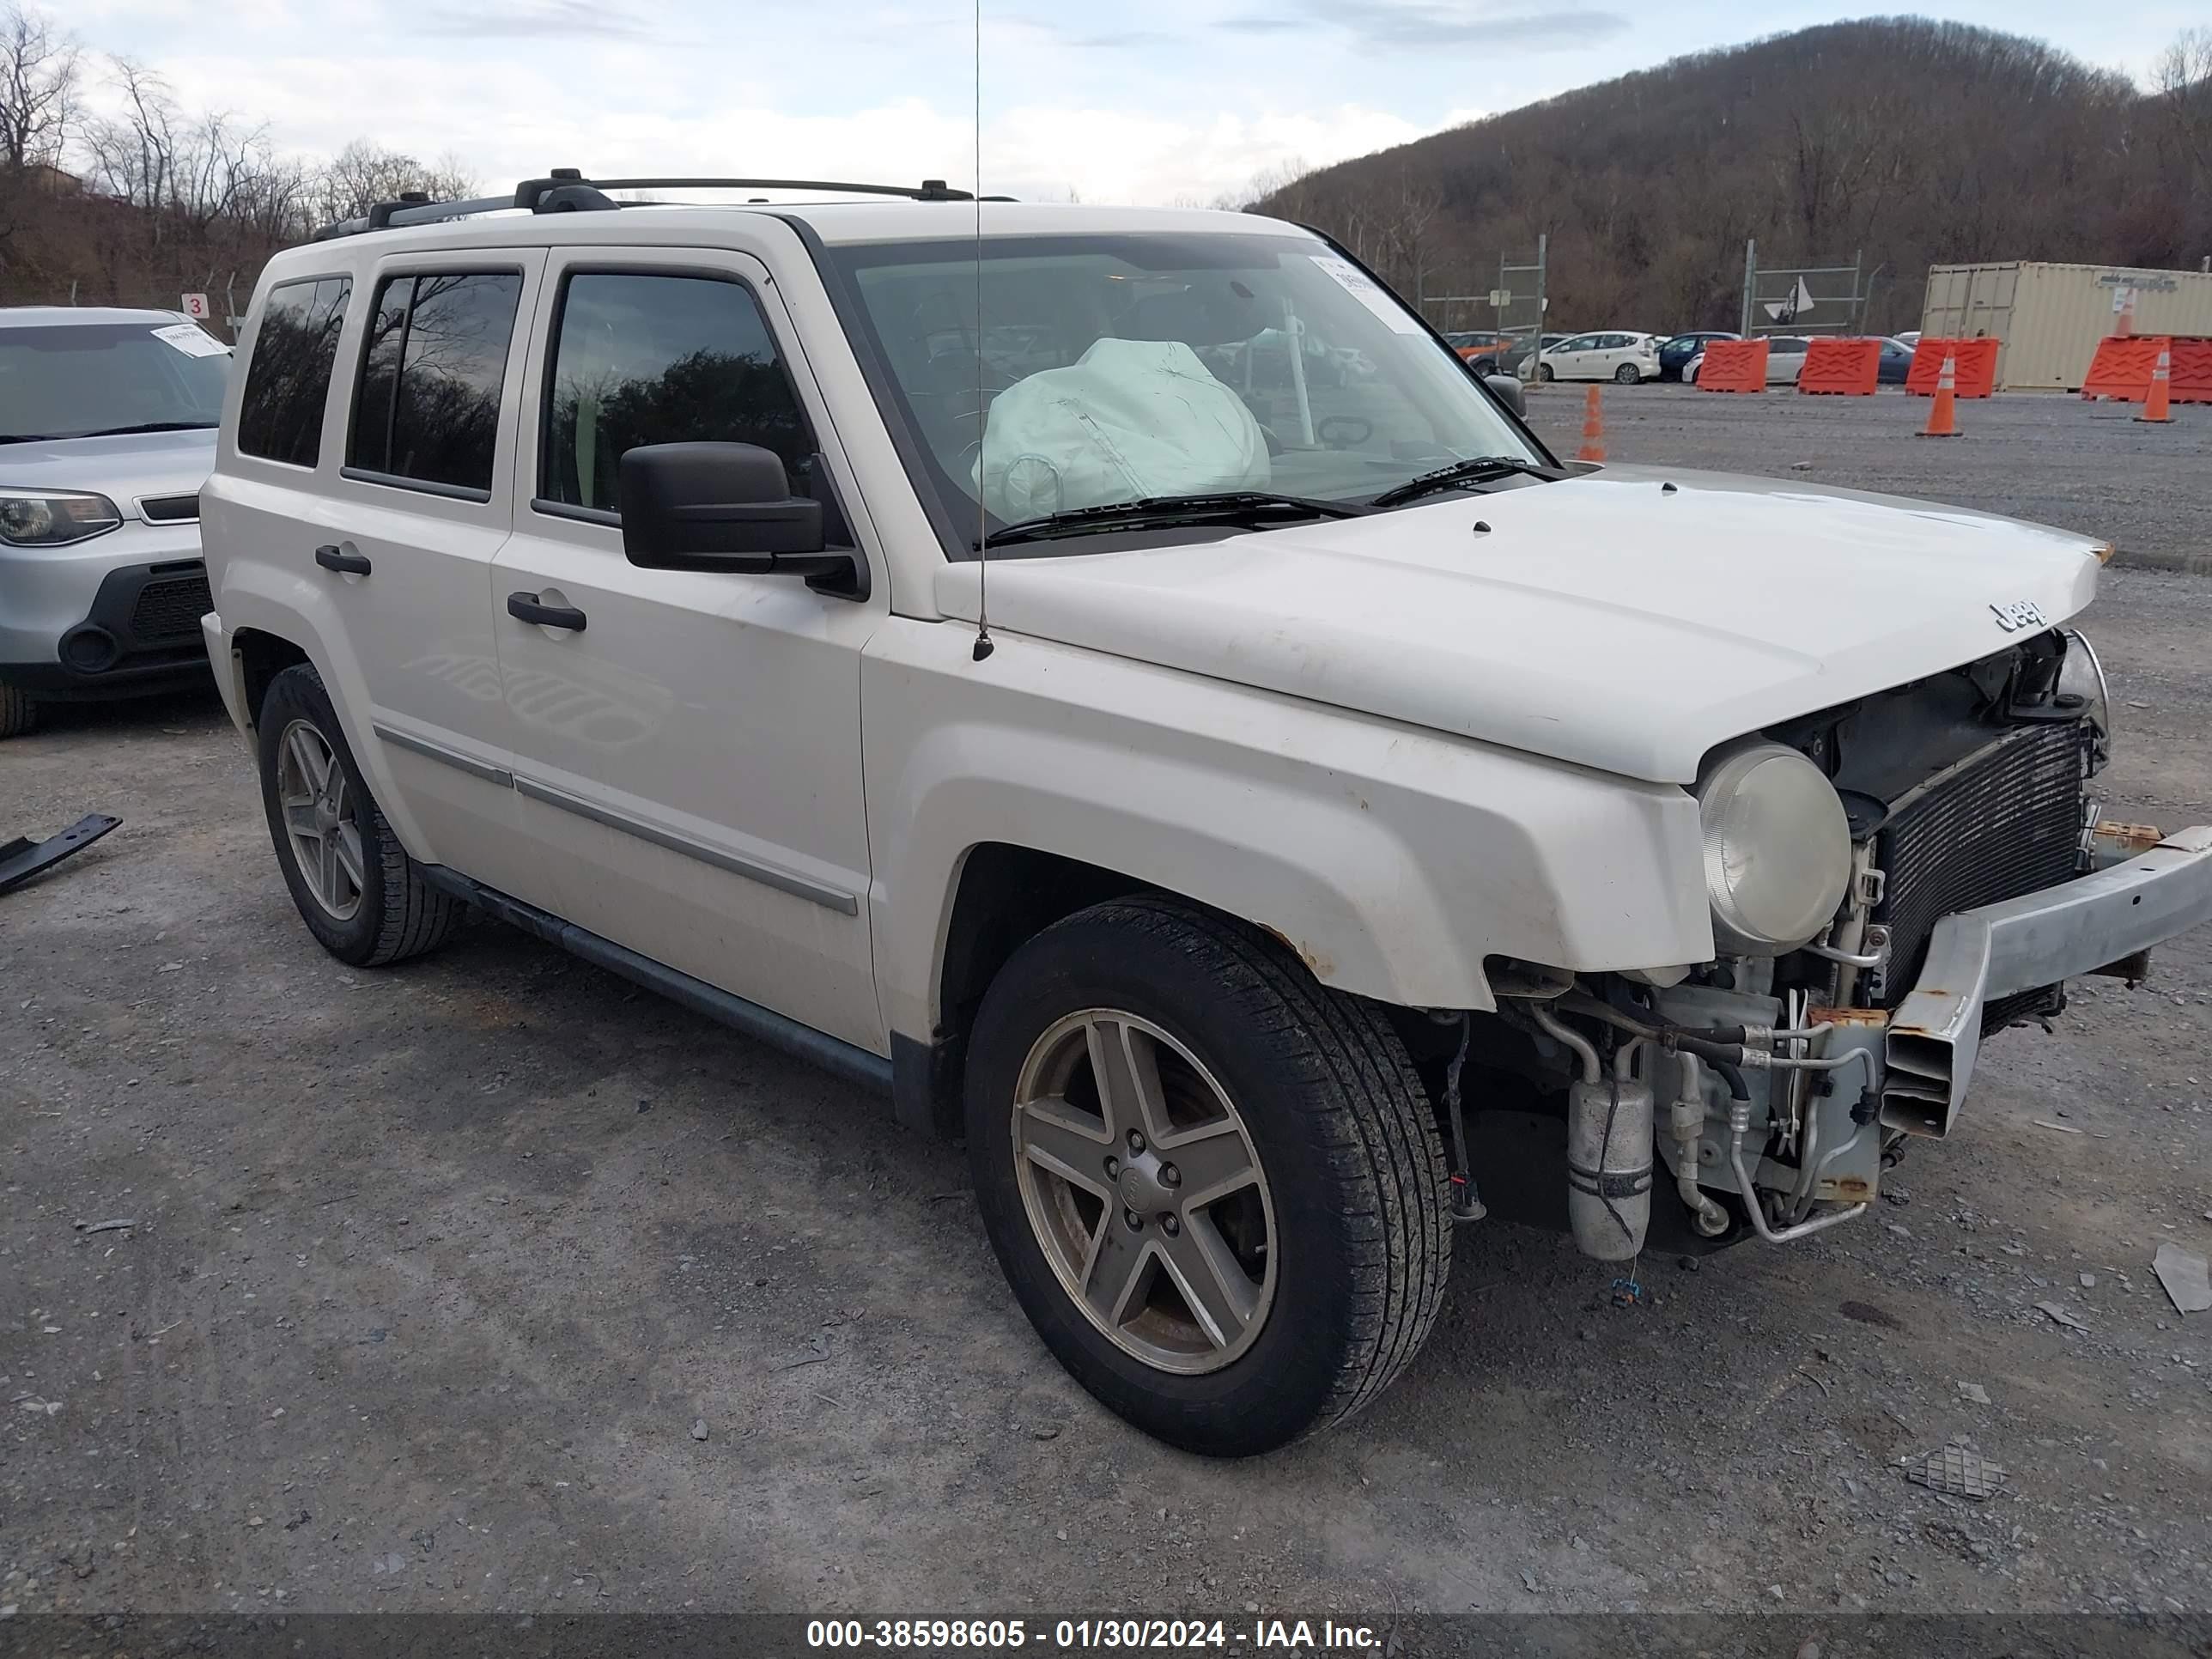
(1143, 1188)
(318, 812)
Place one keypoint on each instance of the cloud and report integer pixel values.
(1421, 25)
(558, 18)
(511, 116)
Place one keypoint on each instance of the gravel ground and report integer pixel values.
(491, 1282)
(2055, 459)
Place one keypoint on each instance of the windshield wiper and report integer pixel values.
(1473, 470)
(149, 426)
(1250, 507)
(26, 437)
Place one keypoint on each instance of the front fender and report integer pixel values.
(1392, 860)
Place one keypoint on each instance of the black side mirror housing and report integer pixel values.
(724, 506)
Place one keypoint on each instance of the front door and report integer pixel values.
(687, 759)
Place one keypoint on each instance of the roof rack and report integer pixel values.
(565, 190)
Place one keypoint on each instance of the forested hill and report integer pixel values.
(1917, 142)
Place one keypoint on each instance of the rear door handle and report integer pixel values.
(524, 607)
(351, 564)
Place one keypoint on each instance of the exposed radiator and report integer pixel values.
(2004, 821)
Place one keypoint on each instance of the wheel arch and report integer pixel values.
(261, 657)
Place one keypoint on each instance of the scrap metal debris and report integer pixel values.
(2184, 1277)
(118, 1224)
(2061, 1315)
(23, 858)
(1955, 1470)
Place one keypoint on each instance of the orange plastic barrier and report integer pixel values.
(2121, 370)
(1734, 365)
(2192, 368)
(1841, 367)
(1975, 361)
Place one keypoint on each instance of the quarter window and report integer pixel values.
(289, 378)
(428, 407)
(655, 359)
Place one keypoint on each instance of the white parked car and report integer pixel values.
(1304, 762)
(1627, 358)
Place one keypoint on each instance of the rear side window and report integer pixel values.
(428, 407)
(657, 359)
(289, 378)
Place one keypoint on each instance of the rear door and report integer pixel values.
(687, 764)
(420, 507)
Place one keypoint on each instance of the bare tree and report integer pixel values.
(2182, 81)
(38, 89)
(364, 173)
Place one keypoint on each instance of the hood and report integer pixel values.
(123, 469)
(1604, 620)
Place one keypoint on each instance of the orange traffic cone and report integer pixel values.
(1943, 415)
(1593, 447)
(2159, 406)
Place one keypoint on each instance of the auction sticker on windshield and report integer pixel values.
(1365, 288)
(190, 339)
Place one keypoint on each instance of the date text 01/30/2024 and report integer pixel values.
(1093, 1635)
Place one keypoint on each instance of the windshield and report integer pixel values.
(1118, 368)
(73, 380)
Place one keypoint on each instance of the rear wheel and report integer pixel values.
(361, 896)
(1627, 375)
(18, 714)
(1215, 1185)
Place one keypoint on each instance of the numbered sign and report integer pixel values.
(196, 305)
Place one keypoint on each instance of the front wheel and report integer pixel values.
(1544, 371)
(18, 714)
(1215, 1185)
(1628, 375)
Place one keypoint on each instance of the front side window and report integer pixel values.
(653, 358)
(288, 380)
(97, 380)
(428, 407)
(1100, 370)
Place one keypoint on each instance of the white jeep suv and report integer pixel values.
(1320, 806)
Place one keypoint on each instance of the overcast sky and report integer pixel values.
(1118, 100)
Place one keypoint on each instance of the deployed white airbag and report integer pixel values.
(1131, 418)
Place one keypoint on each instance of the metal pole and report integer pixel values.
(1750, 281)
(1536, 334)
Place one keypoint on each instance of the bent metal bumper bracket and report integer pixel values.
(23, 858)
(2038, 939)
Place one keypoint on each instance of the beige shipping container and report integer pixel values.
(2050, 317)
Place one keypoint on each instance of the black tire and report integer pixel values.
(1345, 1135)
(18, 714)
(1544, 371)
(399, 915)
(1627, 375)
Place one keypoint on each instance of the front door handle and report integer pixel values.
(351, 564)
(524, 607)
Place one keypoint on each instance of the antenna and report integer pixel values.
(983, 646)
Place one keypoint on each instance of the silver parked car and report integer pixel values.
(107, 421)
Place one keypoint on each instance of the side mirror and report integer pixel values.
(1508, 390)
(721, 506)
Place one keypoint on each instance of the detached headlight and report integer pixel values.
(54, 518)
(1777, 848)
(2083, 677)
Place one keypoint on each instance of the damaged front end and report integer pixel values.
(1892, 882)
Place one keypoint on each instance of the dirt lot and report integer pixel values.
(493, 1282)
